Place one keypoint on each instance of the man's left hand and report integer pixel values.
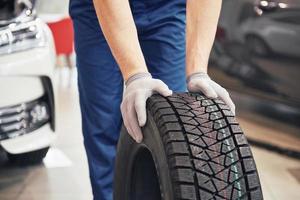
(201, 82)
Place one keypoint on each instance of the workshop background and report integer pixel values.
(256, 56)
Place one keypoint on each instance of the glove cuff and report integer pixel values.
(197, 75)
(137, 76)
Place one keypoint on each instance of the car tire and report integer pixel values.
(192, 149)
(29, 158)
(257, 45)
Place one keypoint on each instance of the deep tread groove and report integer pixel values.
(189, 149)
(236, 143)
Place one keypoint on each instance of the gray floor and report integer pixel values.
(64, 173)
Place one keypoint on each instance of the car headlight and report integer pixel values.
(21, 36)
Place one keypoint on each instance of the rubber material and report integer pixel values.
(193, 148)
(29, 158)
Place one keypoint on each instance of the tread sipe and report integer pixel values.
(207, 153)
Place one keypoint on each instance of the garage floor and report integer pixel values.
(64, 173)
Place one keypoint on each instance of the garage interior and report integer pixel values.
(64, 172)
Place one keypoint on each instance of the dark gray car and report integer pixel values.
(257, 52)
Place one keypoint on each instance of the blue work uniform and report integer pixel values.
(161, 31)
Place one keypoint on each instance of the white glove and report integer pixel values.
(139, 88)
(201, 82)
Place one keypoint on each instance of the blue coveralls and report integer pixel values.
(161, 30)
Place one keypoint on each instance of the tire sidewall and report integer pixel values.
(126, 153)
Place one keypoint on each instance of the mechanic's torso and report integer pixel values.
(157, 7)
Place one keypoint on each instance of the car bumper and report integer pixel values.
(28, 126)
(38, 139)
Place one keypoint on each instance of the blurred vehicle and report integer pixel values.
(27, 60)
(257, 53)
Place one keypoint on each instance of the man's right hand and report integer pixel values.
(139, 88)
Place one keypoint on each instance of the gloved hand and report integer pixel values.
(138, 89)
(201, 82)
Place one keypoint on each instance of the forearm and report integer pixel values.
(118, 27)
(201, 24)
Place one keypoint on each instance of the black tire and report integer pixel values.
(257, 45)
(29, 158)
(193, 149)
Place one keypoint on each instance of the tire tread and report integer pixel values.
(208, 154)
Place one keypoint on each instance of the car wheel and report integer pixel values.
(257, 45)
(29, 158)
(192, 149)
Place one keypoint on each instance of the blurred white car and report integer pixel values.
(27, 105)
